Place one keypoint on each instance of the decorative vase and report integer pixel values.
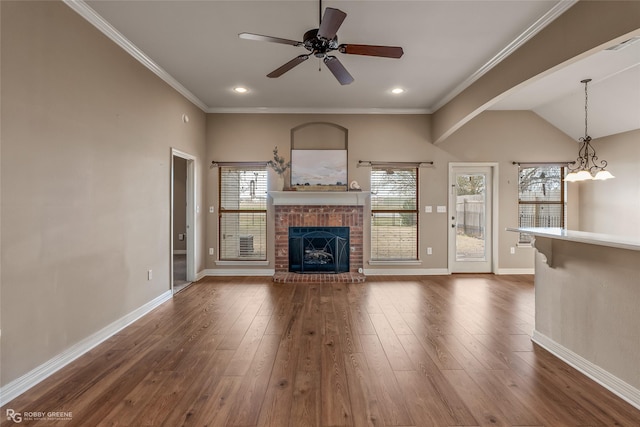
(280, 183)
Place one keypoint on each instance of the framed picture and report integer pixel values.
(320, 170)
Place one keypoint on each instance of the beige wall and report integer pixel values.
(86, 151)
(237, 137)
(1, 133)
(495, 136)
(613, 206)
(505, 137)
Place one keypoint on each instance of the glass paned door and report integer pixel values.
(470, 219)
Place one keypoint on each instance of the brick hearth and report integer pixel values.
(319, 278)
(318, 216)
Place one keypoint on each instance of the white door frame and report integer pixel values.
(191, 214)
(494, 210)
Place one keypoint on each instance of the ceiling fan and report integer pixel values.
(323, 40)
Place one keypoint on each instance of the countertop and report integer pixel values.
(610, 240)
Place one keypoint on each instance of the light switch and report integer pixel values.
(211, 209)
(428, 209)
(442, 209)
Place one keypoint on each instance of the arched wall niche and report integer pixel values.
(319, 157)
(319, 136)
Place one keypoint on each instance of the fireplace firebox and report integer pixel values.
(319, 249)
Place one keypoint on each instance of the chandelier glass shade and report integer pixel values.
(587, 166)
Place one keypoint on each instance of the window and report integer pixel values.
(541, 198)
(394, 214)
(243, 213)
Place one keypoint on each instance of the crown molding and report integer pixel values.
(84, 10)
(277, 110)
(534, 29)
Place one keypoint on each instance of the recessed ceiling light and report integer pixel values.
(397, 90)
(241, 89)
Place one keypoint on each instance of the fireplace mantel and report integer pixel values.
(319, 198)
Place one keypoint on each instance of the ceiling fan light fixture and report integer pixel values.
(321, 41)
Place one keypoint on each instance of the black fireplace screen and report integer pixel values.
(319, 249)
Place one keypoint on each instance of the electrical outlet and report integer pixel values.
(210, 251)
(429, 251)
(513, 250)
(149, 274)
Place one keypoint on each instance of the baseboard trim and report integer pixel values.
(201, 275)
(612, 383)
(366, 271)
(238, 272)
(20, 385)
(515, 271)
(406, 271)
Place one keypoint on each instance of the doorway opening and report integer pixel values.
(472, 213)
(182, 271)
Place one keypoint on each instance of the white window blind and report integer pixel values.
(541, 198)
(394, 214)
(243, 213)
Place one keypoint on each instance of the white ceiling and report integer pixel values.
(613, 94)
(447, 45)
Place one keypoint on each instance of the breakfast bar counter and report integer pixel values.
(587, 304)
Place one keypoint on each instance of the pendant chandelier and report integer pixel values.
(587, 166)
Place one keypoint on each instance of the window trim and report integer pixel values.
(416, 211)
(238, 261)
(563, 196)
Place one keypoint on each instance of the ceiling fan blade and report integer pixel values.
(338, 70)
(261, 38)
(370, 50)
(289, 65)
(331, 21)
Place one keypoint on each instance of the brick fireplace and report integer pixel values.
(319, 209)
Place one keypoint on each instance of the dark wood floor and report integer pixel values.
(429, 351)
